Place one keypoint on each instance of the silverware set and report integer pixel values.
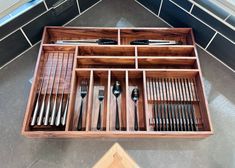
(173, 104)
(100, 98)
(51, 108)
(173, 99)
(83, 93)
(116, 92)
(135, 96)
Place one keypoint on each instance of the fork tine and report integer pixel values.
(101, 93)
(84, 86)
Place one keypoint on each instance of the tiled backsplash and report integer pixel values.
(215, 34)
(25, 30)
(213, 27)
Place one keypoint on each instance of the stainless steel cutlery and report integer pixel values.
(83, 93)
(173, 104)
(116, 92)
(44, 114)
(100, 98)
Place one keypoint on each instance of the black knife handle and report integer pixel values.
(140, 42)
(136, 119)
(79, 128)
(99, 118)
(117, 125)
(107, 42)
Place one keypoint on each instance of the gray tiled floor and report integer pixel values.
(18, 151)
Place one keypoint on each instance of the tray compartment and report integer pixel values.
(82, 79)
(100, 79)
(166, 63)
(173, 101)
(106, 63)
(121, 77)
(183, 35)
(135, 80)
(52, 83)
(58, 33)
(171, 51)
(114, 51)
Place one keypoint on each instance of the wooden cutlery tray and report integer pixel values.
(171, 100)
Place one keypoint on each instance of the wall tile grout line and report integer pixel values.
(78, 6)
(216, 58)
(23, 25)
(9, 34)
(45, 5)
(196, 43)
(19, 55)
(26, 37)
(202, 21)
(227, 17)
(81, 13)
(211, 40)
(160, 8)
(153, 13)
(31, 46)
(191, 8)
(59, 4)
(211, 13)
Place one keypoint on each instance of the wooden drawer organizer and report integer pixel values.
(171, 96)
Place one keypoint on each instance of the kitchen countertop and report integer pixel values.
(17, 151)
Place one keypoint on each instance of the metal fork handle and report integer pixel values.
(79, 128)
(33, 121)
(63, 120)
(136, 119)
(99, 118)
(53, 113)
(117, 125)
(39, 122)
(47, 112)
(57, 121)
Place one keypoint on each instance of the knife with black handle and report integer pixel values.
(155, 42)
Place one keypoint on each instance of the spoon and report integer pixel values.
(116, 93)
(135, 96)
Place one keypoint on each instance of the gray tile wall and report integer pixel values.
(215, 34)
(210, 33)
(26, 30)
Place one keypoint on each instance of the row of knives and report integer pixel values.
(104, 41)
(52, 98)
(173, 102)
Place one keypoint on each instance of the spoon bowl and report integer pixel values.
(135, 94)
(117, 89)
(116, 92)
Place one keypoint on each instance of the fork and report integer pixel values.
(101, 98)
(84, 89)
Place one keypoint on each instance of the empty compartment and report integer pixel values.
(182, 35)
(173, 102)
(117, 107)
(53, 35)
(166, 63)
(135, 81)
(106, 63)
(172, 51)
(99, 101)
(80, 106)
(117, 51)
(51, 90)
